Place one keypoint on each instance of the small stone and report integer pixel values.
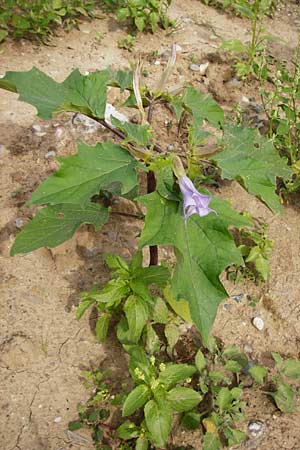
(245, 99)
(256, 428)
(239, 297)
(57, 419)
(178, 48)
(50, 154)
(59, 133)
(228, 307)
(170, 148)
(2, 75)
(36, 128)
(201, 68)
(19, 222)
(157, 62)
(86, 73)
(234, 82)
(3, 151)
(258, 323)
(248, 349)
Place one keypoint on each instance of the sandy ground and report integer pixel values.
(43, 348)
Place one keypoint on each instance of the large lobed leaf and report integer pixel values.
(55, 224)
(83, 175)
(83, 93)
(68, 193)
(253, 161)
(204, 248)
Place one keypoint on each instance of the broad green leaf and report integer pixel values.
(203, 107)
(141, 443)
(55, 224)
(203, 247)
(128, 430)
(152, 340)
(183, 399)
(253, 161)
(136, 312)
(233, 366)
(121, 78)
(200, 361)
(278, 360)
(191, 420)
(139, 360)
(174, 373)
(158, 275)
(78, 92)
(284, 398)
(159, 422)
(258, 373)
(102, 326)
(105, 166)
(115, 262)
(291, 368)
(234, 436)
(172, 334)
(75, 425)
(136, 399)
(138, 134)
(211, 442)
(112, 293)
(83, 306)
(224, 399)
(160, 311)
(229, 216)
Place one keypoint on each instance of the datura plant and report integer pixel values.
(178, 212)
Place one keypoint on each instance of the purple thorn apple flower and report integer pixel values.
(193, 201)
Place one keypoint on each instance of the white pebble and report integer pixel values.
(57, 419)
(157, 63)
(36, 128)
(58, 133)
(245, 99)
(19, 223)
(256, 427)
(50, 154)
(178, 48)
(258, 323)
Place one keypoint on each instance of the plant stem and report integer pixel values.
(151, 186)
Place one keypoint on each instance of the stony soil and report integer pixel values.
(43, 348)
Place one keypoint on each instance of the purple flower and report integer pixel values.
(193, 201)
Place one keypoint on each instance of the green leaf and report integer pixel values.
(82, 307)
(234, 436)
(102, 326)
(160, 311)
(158, 275)
(229, 216)
(278, 360)
(159, 422)
(224, 399)
(203, 247)
(258, 373)
(112, 293)
(3, 35)
(83, 175)
(183, 399)
(86, 94)
(253, 161)
(152, 340)
(138, 134)
(174, 373)
(136, 312)
(291, 368)
(115, 262)
(140, 23)
(141, 443)
(200, 361)
(128, 430)
(75, 425)
(172, 334)
(191, 420)
(55, 224)
(136, 399)
(284, 398)
(234, 45)
(203, 107)
(233, 366)
(211, 442)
